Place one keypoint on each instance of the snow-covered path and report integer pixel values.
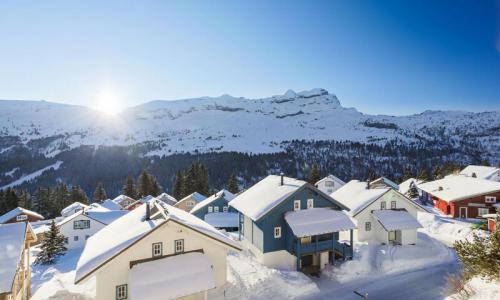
(426, 283)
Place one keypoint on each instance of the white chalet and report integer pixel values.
(482, 172)
(329, 184)
(156, 252)
(381, 213)
(81, 225)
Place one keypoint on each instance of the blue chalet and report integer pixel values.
(290, 224)
(215, 210)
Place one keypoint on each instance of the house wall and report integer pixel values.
(69, 232)
(116, 271)
(275, 218)
(377, 232)
(186, 204)
(220, 203)
(472, 205)
(322, 186)
(31, 218)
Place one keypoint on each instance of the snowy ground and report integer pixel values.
(382, 271)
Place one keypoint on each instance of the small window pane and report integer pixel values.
(224, 209)
(179, 246)
(277, 232)
(210, 209)
(75, 238)
(368, 226)
(310, 203)
(216, 209)
(382, 205)
(296, 205)
(121, 292)
(393, 204)
(157, 249)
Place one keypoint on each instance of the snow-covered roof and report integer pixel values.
(167, 199)
(125, 231)
(482, 172)
(70, 208)
(315, 221)
(104, 217)
(457, 187)
(97, 207)
(489, 216)
(18, 211)
(193, 274)
(386, 181)
(356, 196)
(111, 205)
(265, 195)
(228, 196)
(396, 219)
(123, 198)
(222, 219)
(404, 187)
(194, 196)
(331, 177)
(12, 238)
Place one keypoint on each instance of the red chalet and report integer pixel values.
(461, 196)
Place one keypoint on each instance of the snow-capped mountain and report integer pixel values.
(228, 123)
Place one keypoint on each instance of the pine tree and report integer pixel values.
(129, 188)
(413, 191)
(407, 174)
(155, 188)
(481, 256)
(100, 193)
(177, 188)
(52, 246)
(143, 184)
(25, 199)
(232, 185)
(314, 175)
(423, 175)
(436, 173)
(78, 195)
(40, 202)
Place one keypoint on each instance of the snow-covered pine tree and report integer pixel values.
(413, 192)
(129, 188)
(52, 246)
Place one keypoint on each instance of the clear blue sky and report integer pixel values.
(393, 57)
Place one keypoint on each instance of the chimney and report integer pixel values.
(282, 178)
(368, 185)
(148, 211)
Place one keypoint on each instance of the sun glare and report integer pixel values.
(108, 102)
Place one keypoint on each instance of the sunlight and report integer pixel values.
(108, 102)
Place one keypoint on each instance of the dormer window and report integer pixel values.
(296, 205)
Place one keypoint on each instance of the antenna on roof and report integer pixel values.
(282, 178)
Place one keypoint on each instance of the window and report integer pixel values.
(87, 237)
(189, 203)
(368, 226)
(157, 249)
(179, 246)
(22, 218)
(310, 203)
(490, 199)
(329, 183)
(216, 209)
(210, 209)
(75, 238)
(81, 224)
(121, 292)
(329, 191)
(224, 208)
(296, 205)
(277, 232)
(66, 240)
(393, 204)
(482, 211)
(382, 205)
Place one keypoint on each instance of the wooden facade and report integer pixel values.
(466, 208)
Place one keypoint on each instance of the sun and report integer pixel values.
(108, 102)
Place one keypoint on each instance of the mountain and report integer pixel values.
(49, 131)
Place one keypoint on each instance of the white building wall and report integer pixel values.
(377, 232)
(116, 272)
(69, 232)
(329, 186)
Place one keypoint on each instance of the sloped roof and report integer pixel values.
(356, 196)
(167, 199)
(104, 217)
(386, 181)
(316, 221)
(127, 230)
(396, 219)
(12, 237)
(482, 172)
(332, 177)
(194, 196)
(121, 198)
(222, 219)
(17, 211)
(266, 194)
(111, 205)
(228, 196)
(73, 206)
(193, 274)
(457, 187)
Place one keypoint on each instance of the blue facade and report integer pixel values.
(220, 202)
